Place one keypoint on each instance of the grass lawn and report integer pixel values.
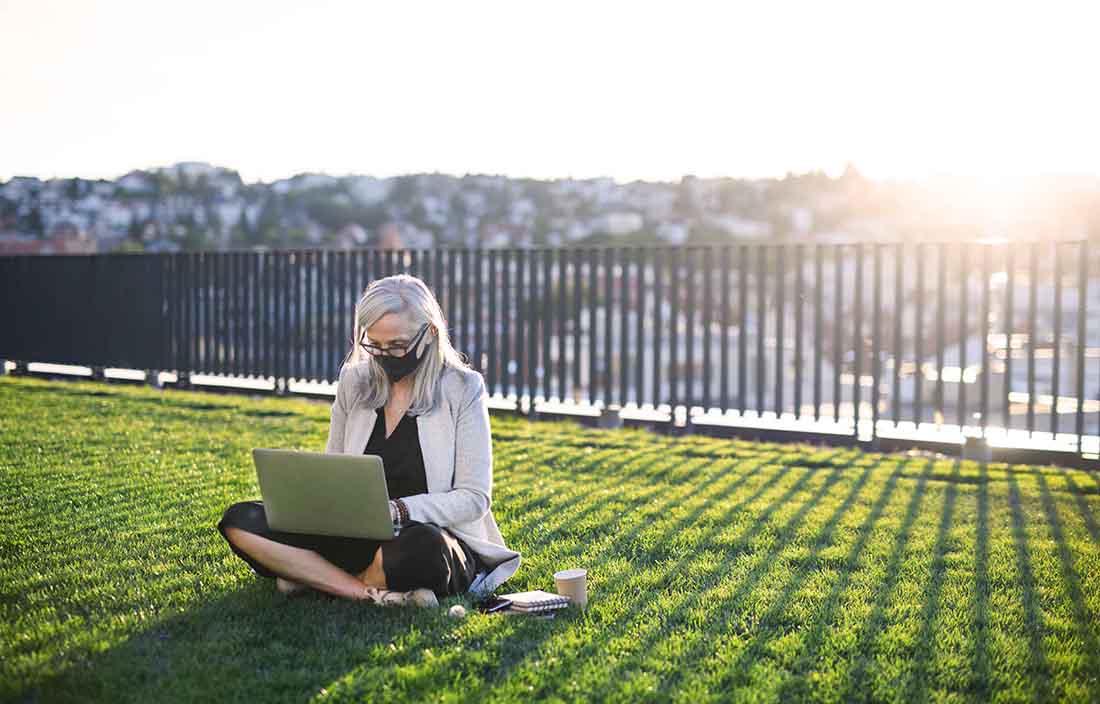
(718, 570)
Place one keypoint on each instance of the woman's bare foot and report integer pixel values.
(287, 587)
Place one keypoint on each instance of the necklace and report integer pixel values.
(386, 414)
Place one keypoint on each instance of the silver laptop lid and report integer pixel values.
(324, 494)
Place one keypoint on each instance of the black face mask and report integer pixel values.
(398, 368)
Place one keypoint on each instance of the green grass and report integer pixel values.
(718, 570)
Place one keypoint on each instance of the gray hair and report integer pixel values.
(411, 299)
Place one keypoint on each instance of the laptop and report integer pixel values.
(324, 494)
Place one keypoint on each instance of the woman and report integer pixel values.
(412, 399)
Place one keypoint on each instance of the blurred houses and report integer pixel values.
(393, 235)
(351, 236)
(191, 205)
(66, 240)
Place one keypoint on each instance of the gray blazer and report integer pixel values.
(458, 465)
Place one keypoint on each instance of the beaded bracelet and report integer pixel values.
(402, 510)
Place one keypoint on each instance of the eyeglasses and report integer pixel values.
(392, 350)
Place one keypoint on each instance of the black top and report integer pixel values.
(401, 455)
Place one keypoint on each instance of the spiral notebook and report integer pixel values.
(537, 600)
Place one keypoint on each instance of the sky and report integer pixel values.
(993, 92)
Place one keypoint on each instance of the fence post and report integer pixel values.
(152, 378)
(98, 374)
(3, 367)
(609, 417)
(674, 426)
(978, 449)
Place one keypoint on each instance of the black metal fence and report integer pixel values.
(865, 336)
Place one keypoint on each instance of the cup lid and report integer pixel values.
(570, 574)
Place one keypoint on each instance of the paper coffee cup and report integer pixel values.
(573, 584)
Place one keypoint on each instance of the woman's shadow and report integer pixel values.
(256, 644)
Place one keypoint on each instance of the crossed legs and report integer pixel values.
(421, 556)
(306, 567)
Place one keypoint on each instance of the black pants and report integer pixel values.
(422, 555)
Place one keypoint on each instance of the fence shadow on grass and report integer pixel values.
(917, 688)
(702, 650)
(533, 510)
(980, 663)
(1082, 504)
(589, 654)
(1071, 578)
(593, 647)
(799, 687)
(738, 666)
(1038, 665)
(873, 625)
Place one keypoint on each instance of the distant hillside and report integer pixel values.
(191, 205)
